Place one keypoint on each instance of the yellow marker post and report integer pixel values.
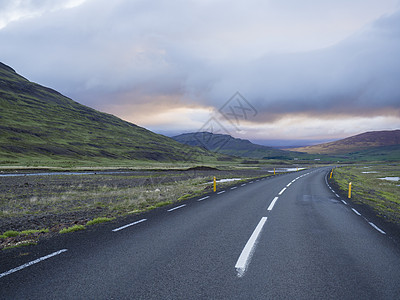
(215, 184)
(274, 171)
(331, 174)
(349, 190)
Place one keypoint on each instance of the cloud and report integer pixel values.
(11, 11)
(134, 58)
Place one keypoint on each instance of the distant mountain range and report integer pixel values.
(226, 144)
(369, 146)
(39, 124)
(368, 141)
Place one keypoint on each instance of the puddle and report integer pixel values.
(225, 180)
(390, 178)
(286, 170)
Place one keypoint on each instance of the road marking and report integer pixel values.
(221, 192)
(271, 206)
(344, 202)
(356, 212)
(128, 225)
(258, 180)
(281, 192)
(248, 250)
(235, 187)
(32, 263)
(293, 180)
(204, 198)
(289, 184)
(178, 207)
(251, 182)
(337, 195)
(243, 184)
(376, 227)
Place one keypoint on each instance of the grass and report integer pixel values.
(72, 229)
(13, 233)
(382, 196)
(20, 244)
(99, 220)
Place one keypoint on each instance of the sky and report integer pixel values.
(273, 71)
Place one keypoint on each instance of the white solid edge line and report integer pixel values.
(271, 206)
(234, 187)
(128, 225)
(177, 207)
(376, 227)
(355, 211)
(32, 263)
(248, 250)
(281, 192)
(204, 198)
(221, 192)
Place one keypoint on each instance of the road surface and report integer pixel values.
(283, 237)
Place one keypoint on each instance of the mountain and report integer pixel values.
(226, 144)
(39, 124)
(368, 142)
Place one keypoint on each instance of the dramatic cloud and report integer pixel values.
(312, 69)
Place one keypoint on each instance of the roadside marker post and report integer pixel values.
(215, 184)
(274, 171)
(349, 190)
(331, 174)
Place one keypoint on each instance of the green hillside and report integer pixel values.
(39, 125)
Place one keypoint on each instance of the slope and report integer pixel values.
(39, 124)
(361, 142)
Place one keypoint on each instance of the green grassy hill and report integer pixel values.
(40, 126)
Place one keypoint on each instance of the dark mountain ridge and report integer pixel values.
(226, 144)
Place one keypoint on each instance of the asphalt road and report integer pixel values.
(286, 237)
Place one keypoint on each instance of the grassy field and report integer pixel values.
(47, 205)
(381, 196)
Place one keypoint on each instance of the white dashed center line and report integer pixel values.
(271, 206)
(281, 192)
(248, 250)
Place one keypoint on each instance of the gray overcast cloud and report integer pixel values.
(181, 60)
